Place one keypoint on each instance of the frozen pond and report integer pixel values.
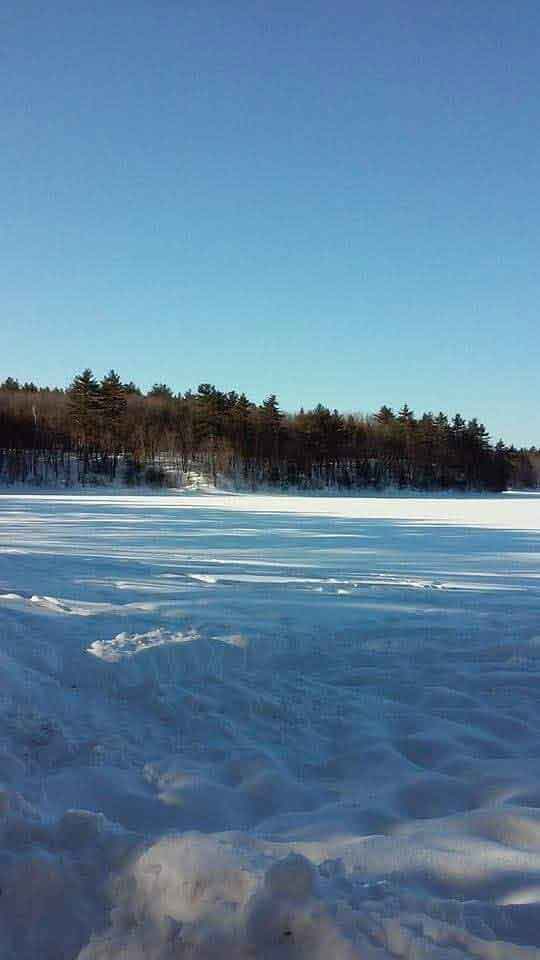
(193, 687)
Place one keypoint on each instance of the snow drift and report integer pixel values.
(267, 727)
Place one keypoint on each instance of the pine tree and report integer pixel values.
(270, 410)
(131, 389)
(458, 425)
(385, 415)
(83, 404)
(10, 383)
(112, 400)
(160, 391)
(502, 468)
(83, 408)
(242, 423)
(406, 415)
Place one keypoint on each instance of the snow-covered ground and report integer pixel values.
(269, 727)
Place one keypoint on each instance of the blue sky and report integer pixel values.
(336, 202)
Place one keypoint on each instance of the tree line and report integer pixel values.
(109, 430)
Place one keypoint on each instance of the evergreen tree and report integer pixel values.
(10, 383)
(112, 400)
(270, 410)
(406, 415)
(112, 410)
(131, 389)
(458, 425)
(83, 404)
(502, 468)
(160, 391)
(270, 422)
(385, 415)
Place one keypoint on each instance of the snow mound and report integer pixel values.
(50, 902)
(229, 896)
(129, 645)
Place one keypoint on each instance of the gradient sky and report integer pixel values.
(335, 202)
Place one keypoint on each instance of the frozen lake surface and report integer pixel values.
(245, 726)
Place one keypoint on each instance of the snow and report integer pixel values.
(242, 725)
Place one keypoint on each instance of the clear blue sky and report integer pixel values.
(336, 202)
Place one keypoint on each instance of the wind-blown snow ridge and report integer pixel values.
(128, 645)
(255, 727)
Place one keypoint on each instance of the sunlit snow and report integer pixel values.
(255, 726)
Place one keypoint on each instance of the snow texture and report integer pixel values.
(239, 726)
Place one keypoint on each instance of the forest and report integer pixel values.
(108, 431)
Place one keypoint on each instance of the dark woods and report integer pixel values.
(108, 430)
